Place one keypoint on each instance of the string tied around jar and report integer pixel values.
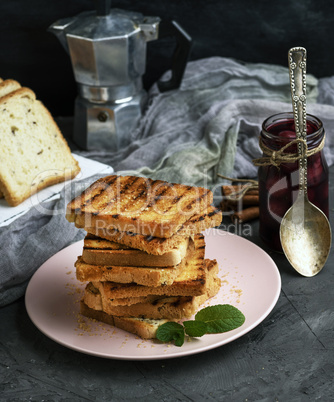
(277, 157)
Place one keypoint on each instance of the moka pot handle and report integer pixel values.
(180, 56)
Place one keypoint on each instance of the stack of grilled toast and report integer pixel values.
(144, 255)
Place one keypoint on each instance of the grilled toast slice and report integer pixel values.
(99, 251)
(143, 327)
(170, 307)
(91, 299)
(146, 276)
(138, 205)
(190, 282)
(211, 217)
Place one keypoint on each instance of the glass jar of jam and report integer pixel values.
(279, 185)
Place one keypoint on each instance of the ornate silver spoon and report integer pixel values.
(305, 232)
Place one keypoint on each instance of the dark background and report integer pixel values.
(251, 31)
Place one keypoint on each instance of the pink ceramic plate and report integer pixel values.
(250, 281)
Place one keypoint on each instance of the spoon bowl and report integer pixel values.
(306, 237)
(305, 232)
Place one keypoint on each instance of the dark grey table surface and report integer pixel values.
(287, 357)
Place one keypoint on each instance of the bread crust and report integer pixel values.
(8, 86)
(20, 92)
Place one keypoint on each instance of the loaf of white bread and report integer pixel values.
(34, 153)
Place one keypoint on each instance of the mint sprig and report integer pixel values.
(210, 320)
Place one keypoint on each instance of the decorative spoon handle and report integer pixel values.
(297, 70)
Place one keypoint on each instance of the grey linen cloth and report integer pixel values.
(208, 126)
(190, 134)
(212, 123)
(33, 238)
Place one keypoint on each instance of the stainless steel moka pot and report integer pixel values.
(107, 48)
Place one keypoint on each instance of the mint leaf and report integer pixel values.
(195, 328)
(171, 331)
(220, 318)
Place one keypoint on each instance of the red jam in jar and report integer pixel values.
(278, 185)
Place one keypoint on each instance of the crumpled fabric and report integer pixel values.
(210, 125)
(33, 238)
(191, 134)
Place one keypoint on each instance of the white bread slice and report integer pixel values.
(34, 152)
(145, 328)
(176, 307)
(146, 276)
(6, 87)
(99, 251)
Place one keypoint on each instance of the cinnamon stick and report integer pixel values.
(241, 202)
(225, 206)
(246, 215)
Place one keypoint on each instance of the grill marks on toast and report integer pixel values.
(91, 195)
(201, 217)
(138, 205)
(96, 198)
(196, 201)
(100, 195)
(119, 196)
(158, 197)
(122, 197)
